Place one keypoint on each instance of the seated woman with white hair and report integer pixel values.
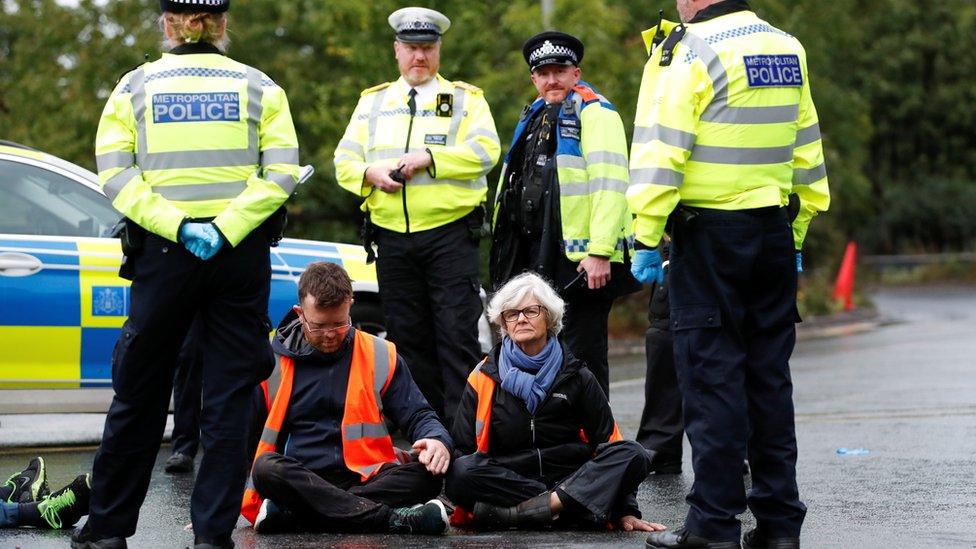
(537, 442)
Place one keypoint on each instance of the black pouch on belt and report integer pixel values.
(478, 225)
(367, 234)
(132, 237)
(274, 226)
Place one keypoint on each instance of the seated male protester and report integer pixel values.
(25, 499)
(325, 461)
(539, 437)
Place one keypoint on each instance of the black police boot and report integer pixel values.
(754, 539)
(683, 539)
(86, 539)
(219, 542)
(179, 463)
(532, 513)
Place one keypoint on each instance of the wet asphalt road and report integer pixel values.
(906, 392)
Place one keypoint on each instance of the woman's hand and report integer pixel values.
(630, 523)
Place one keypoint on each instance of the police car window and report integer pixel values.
(36, 201)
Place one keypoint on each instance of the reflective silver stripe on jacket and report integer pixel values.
(381, 369)
(479, 426)
(656, 176)
(287, 182)
(352, 146)
(808, 176)
(607, 157)
(201, 191)
(719, 110)
(374, 115)
(269, 436)
(807, 135)
(668, 136)
(570, 161)
(117, 182)
(742, 155)
(114, 159)
(456, 118)
(279, 156)
(584, 188)
(357, 431)
(274, 381)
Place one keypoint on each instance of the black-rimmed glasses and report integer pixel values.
(512, 315)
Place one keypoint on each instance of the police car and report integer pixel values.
(62, 303)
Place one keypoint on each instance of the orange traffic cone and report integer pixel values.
(844, 287)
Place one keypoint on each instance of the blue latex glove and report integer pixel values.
(201, 239)
(648, 266)
(799, 262)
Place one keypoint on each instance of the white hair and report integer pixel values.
(516, 290)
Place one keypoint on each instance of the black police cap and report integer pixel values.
(552, 48)
(194, 6)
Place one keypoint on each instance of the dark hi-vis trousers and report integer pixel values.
(229, 297)
(733, 309)
(430, 290)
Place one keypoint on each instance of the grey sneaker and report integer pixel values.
(30, 484)
(428, 519)
(272, 519)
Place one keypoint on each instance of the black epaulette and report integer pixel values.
(671, 42)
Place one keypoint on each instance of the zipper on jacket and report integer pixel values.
(534, 445)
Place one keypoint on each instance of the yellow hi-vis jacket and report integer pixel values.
(591, 172)
(456, 127)
(728, 125)
(197, 136)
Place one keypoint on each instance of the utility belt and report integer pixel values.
(687, 214)
(476, 221)
(133, 237)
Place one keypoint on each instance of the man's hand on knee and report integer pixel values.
(433, 454)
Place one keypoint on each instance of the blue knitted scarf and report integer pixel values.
(529, 377)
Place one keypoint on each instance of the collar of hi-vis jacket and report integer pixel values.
(580, 97)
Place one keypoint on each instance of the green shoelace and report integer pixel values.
(53, 505)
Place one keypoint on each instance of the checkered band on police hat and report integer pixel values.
(418, 24)
(552, 48)
(194, 6)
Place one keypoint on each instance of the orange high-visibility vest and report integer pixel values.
(484, 387)
(366, 444)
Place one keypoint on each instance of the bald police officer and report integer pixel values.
(199, 152)
(418, 150)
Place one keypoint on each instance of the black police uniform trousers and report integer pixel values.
(733, 309)
(186, 395)
(429, 285)
(661, 427)
(170, 288)
(319, 503)
(598, 491)
(585, 324)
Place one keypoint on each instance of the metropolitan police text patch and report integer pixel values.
(773, 71)
(196, 107)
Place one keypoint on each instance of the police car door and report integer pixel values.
(52, 265)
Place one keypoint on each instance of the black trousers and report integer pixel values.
(733, 309)
(351, 507)
(661, 426)
(585, 331)
(186, 395)
(429, 285)
(604, 488)
(171, 287)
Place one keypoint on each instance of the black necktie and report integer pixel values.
(412, 102)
